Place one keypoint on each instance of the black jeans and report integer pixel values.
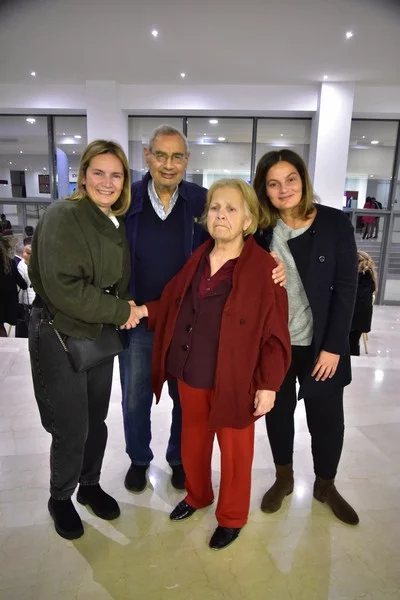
(73, 408)
(325, 419)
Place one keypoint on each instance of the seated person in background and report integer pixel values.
(5, 226)
(366, 289)
(221, 328)
(28, 234)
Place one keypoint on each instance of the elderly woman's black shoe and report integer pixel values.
(182, 511)
(223, 536)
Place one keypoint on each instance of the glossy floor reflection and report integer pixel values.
(299, 553)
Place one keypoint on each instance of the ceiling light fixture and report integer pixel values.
(183, 75)
(374, 142)
(78, 137)
(281, 134)
(73, 151)
(226, 171)
(203, 152)
(213, 121)
(10, 163)
(371, 175)
(25, 169)
(363, 137)
(21, 152)
(44, 169)
(325, 77)
(349, 35)
(31, 120)
(33, 73)
(221, 139)
(154, 33)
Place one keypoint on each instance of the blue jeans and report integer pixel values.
(137, 398)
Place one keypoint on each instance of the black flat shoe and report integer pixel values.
(182, 511)
(178, 477)
(67, 522)
(223, 536)
(101, 503)
(135, 479)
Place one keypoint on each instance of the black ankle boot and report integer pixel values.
(103, 505)
(67, 522)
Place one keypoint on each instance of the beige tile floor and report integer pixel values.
(299, 553)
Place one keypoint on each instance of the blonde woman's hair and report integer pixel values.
(251, 204)
(365, 263)
(268, 213)
(120, 207)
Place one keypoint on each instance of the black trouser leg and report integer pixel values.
(99, 381)
(69, 409)
(325, 421)
(280, 420)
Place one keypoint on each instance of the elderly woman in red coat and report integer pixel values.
(221, 329)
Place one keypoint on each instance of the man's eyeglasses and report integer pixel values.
(176, 159)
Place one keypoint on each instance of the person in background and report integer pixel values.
(10, 281)
(317, 245)
(28, 234)
(368, 221)
(79, 268)
(375, 227)
(5, 226)
(25, 297)
(19, 252)
(221, 331)
(366, 290)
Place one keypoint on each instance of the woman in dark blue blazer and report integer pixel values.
(318, 248)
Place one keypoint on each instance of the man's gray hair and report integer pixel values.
(19, 248)
(168, 130)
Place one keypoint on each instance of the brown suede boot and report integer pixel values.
(283, 486)
(325, 491)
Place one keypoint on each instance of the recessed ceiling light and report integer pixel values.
(204, 133)
(325, 77)
(25, 169)
(371, 175)
(44, 169)
(374, 142)
(349, 34)
(21, 152)
(33, 73)
(213, 121)
(203, 152)
(197, 170)
(69, 168)
(183, 75)
(73, 151)
(31, 120)
(154, 33)
(281, 134)
(221, 139)
(226, 171)
(10, 163)
(78, 137)
(363, 137)
(64, 133)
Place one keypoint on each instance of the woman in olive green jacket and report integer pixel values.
(79, 269)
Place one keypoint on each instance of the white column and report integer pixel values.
(105, 119)
(330, 142)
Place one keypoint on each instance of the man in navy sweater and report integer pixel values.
(163, 230)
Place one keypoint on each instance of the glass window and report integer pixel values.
(140, 131)
(23, 156)
(219, 148)
(370, 161)
(70, 141)
(273, 134)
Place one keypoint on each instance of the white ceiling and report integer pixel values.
(212, 41)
